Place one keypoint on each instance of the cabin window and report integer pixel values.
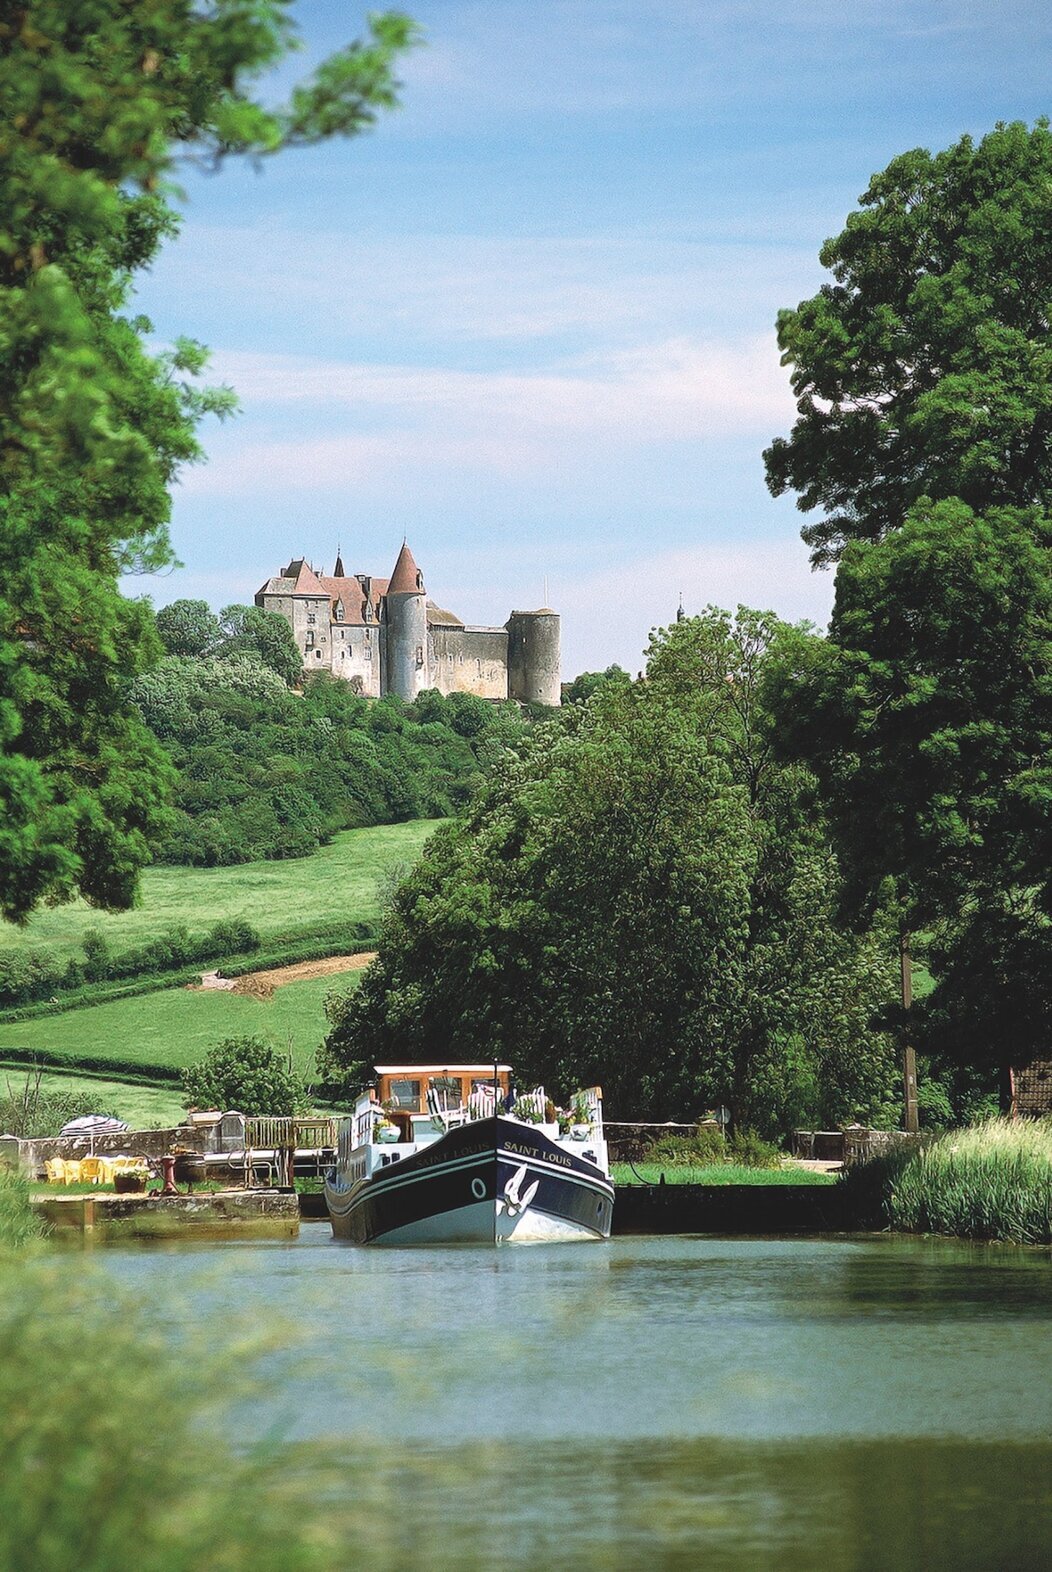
(449, 1090)
(406, 1094)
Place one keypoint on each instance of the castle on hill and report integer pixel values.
(385, 636)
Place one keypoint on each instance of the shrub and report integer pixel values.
(749, 1150)
(107, 1460)
(245, 1073)
(233, 936)
(707, 1146)
(704, 1147)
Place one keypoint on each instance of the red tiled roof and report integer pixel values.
(406, 578)
(305, 580)
(349, 593)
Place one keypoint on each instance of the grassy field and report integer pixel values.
(177, 1025)
(141, 1107)
(717, 1173)
(338, 881)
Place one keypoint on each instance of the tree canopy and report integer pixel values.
(99, 98)
(246, 1074)
(924, 369)
(642, 899)
(924, 383)
(262, 772)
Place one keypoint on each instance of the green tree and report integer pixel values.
(924, 368)
(589, 682)
(188, 628)
(245, 1073)
(250, 630)
(100, 96)
(643, 899)
(924, 382)
(928, 714)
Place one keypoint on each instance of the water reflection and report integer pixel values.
(855, 1507)
(826, 1403)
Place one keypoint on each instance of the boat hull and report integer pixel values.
(494, 1181)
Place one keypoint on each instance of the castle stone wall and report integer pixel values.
(470, 660)
(534, 657)
(356, 657)
(406, 646)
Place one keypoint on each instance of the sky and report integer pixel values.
(528, 322)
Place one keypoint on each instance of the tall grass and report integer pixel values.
(106, 1466)
(19, 1228)
(993, 1181)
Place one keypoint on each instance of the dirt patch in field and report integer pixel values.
(261, 985)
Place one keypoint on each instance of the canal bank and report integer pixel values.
(217, 1215)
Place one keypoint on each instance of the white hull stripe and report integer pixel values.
(381, 1182)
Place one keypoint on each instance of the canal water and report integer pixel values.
(652, 1402)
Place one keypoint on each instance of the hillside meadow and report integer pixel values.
(339, 881)
(175, 1026)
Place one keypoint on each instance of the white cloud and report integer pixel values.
(495, 422)
(499, 289)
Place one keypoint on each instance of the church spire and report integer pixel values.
(337, 571)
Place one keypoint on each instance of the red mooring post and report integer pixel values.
(168, 1165)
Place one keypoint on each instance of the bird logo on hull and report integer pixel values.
(514, 1201)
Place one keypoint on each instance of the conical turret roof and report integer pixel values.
(407, 578)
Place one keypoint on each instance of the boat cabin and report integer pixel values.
(416, 1088)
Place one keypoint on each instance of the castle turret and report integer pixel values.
(405, 615)
(534, 658)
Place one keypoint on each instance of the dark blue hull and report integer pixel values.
(493, 1181)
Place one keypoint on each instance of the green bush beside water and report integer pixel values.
(993, 1181)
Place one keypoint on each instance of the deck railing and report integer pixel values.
(285, 1137)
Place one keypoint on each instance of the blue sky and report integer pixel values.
(528, 321)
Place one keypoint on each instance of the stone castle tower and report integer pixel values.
(386, 636)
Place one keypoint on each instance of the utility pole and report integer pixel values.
(911, 1121)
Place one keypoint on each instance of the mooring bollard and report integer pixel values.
(168, 1165)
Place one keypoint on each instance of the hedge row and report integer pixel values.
(102, 993)
(294, 954)
(106, 1069)
(337, 941)
(29, 975)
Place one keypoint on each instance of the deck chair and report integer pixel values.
(96, 1170)
(444, 1114)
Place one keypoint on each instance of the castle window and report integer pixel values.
(311, 619)
(339, 611)
(420, 654)
(317, 654)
